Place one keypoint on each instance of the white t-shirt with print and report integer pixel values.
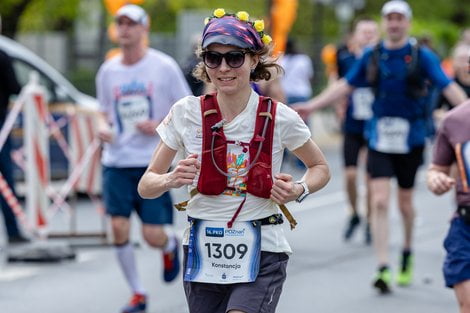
(131, 94)
(182, 130)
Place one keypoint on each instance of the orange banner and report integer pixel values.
(283, 15)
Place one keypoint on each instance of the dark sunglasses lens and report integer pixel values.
(235, 59)
(212, 59)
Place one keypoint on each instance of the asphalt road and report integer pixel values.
(325, 274)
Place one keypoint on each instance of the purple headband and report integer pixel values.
(229, 30)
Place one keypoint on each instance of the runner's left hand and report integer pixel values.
(284, 189)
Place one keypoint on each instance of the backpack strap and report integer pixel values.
(210, 180)
(373, 67)
(417, 86)
(265, 117)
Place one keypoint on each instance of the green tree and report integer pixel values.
(37, 15)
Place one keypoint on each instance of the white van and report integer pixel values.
(60, 93)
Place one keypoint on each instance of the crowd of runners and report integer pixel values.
(227, 148)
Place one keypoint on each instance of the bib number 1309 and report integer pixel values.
(217, 254)
(227, 251)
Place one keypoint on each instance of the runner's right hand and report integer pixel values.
(184, 173)
(105, 134)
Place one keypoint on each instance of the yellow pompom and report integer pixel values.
(219, 12)
(206, 20)
(243, 16)
(259, 25)
(266, 39)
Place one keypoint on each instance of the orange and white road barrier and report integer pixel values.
(76, 174)
(36, 139)
(14, 204)
(10, 120)
(82, 151)
(82, 133)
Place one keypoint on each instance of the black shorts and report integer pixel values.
(402, 166)
(262, 295)
(352, 145)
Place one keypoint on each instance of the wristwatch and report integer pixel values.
(305, 193)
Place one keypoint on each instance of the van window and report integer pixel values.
(22, 70)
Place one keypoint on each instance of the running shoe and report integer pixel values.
(18, 239)
(368, 235)
(137, 304)
(352, 226)
(171, 264)
(405, 275)
(383, 280)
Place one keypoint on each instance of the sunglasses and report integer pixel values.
(213, 59)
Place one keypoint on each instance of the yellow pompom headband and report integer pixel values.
(234, 29)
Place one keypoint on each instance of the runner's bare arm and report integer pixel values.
(316, 177)
(330, 95)
(156, 180)
(438, 179)
(454, 94)
(105, 132)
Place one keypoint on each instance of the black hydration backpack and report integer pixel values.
(417, 86)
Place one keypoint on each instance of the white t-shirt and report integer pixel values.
(298, 70)
(182, 130)
(131, 94)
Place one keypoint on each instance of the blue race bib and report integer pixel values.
(221, 255)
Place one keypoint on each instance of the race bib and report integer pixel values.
(221, 255)
(392, 135)
(131, 110)
(462, 151)
(362, 99)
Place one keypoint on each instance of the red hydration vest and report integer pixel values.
(260, 181)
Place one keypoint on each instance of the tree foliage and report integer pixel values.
(38, 15)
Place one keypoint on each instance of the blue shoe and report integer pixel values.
(171, 264)
(137, 304)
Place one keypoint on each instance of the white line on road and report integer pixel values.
(17, 273)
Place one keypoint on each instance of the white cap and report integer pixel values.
(397, 6)
(134, 12)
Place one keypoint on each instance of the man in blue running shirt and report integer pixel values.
(397, 130)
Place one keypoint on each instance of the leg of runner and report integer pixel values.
(380, 189)
(126, 258)
(368, 230)
(462, 292)
(157, 217)
(351, 190)
(405, 203)
(352, 146)
(157, 237)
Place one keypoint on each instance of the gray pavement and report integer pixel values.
(324, 274)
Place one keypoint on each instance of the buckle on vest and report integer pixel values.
(274, 219)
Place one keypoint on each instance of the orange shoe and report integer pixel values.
(137, 304)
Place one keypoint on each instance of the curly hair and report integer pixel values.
(263, 71)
